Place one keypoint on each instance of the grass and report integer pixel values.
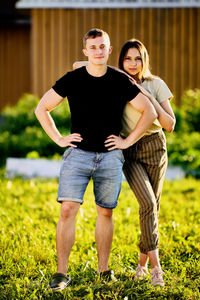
(28, 219)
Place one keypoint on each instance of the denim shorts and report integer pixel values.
(79, 166)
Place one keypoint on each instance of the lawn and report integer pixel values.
(28, 218)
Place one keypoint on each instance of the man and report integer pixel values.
(97, 95)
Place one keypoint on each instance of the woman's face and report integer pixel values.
(133, 62)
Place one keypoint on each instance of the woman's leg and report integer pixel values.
(156, 173)
(143, 260)
(147, 162)
(138, 180)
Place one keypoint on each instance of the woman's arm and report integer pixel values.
(165, 113)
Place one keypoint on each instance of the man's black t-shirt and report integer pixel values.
(96, 104)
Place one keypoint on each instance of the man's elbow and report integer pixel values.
(37, 112)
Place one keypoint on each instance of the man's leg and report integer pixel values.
(107, 185)
(65, 234)
(74, 177)
(103, 235)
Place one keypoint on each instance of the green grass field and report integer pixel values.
(28, 219)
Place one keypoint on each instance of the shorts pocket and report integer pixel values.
(120, 155)
(67, 152)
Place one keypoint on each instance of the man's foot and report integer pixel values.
(60, 281)
(106, 275)
(141, 272)
(156, 277)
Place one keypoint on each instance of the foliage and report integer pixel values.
(184, 144)
(184, 150)
(22, 136)
(28, 217)
(188, 114)
(22, 115)
(191, 109)
(21, 132)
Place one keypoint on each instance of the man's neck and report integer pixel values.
(96, 70)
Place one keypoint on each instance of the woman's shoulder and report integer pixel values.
(154, 81)
(160, 89)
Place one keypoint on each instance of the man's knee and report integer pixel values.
(69, 210)
(104, 212)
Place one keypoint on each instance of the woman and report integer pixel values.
(146, 160)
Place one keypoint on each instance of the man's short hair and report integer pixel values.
(93, 33)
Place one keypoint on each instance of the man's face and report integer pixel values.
(97, 50)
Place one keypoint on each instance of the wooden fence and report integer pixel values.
(172, 37)
(14, 63)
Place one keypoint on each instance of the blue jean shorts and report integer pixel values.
(79, 166)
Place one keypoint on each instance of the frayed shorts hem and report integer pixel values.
(61, 199)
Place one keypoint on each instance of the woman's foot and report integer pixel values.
(156, 277)
(141, 272)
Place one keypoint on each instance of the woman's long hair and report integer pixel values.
(134, 43)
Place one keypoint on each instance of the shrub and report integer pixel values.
(21, 132)
(22, 135)
(18, 117)
(184, 150)
(184, 144)
(188, 115)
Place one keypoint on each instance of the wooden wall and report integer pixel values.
(32, 62)
(14, 63)
(170, 35)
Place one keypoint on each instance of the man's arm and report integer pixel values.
(148, 114)
(49, 101)
(165, 113)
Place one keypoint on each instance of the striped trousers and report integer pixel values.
(145, 167)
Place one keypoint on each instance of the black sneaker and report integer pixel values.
(60, 281)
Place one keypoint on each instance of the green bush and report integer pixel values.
(188, 115)
(184, 144)
(22, 135)
(18, 117)
(191, 109)
(21, 132)
(184, 150)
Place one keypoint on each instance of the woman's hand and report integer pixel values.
(67, 140)
(116, 142)
(79, 64)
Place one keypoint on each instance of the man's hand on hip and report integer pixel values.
(67, 141)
